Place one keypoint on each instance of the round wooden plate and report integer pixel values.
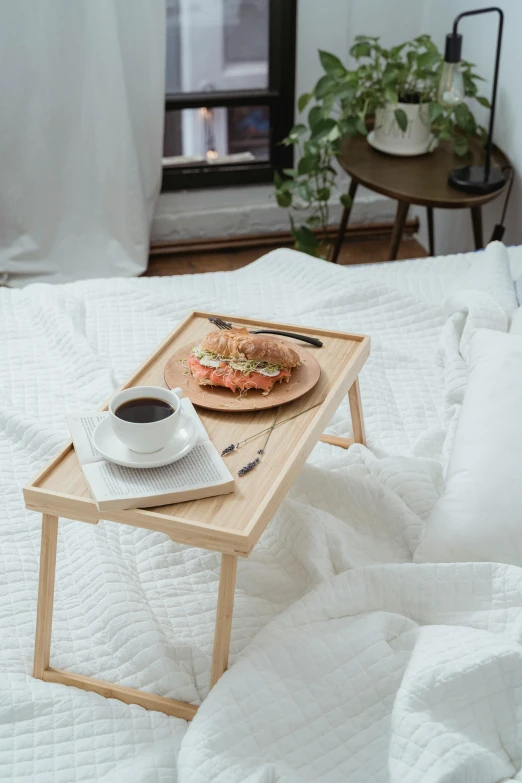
(218, 398)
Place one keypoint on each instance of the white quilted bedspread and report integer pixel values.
(349, 663)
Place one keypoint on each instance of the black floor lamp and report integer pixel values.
(471, 179)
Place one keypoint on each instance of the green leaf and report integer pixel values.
(284, 198)
(346, 200)
(344, 92)
(315, 115)
(483, 101)
(349, 126)
(323, 86)
(278, 180)
(313, 220)
(312, 148)
(402, 119)
(297, 131)
(328, 103)
(290, 172)
(322, 129)
(334, 133)
(361, 127)
(428, 60)
(332, 64)
(323, 194)
(288, 184)
(306, 240)
(435, 110)
(307, 164)
(391, 95)
(390, 77)
(470, 88)
(396, 50)
(304, 100)
(460, 145)
(305, 191)
(361, 49)
(464, 118)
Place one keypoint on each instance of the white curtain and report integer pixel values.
(81, 128)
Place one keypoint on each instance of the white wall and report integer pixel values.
(333, 25)
(322, 24)
(453, 228)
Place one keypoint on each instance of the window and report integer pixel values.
(229, 91)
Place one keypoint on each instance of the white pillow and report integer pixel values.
(490, 272)
(479, 514)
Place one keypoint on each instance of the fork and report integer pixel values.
(303, 337)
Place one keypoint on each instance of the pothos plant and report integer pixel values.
(344, 101)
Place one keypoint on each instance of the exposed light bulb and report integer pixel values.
(451, 85)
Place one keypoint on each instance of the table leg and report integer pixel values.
(344, 222)
(476, 219)
(431, 231)
(354, 398)
(44, 611)
(337, 440)
(42, 647)
(225, 607)
(398, 228)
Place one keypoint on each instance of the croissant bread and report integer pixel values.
(240, 344)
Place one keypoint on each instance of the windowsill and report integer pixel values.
(251, 209)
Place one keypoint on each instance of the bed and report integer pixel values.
(349, 662)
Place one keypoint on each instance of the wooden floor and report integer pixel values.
(355, 251)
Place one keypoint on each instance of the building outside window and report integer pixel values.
(229, 91)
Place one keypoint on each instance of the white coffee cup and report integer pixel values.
(150, 436)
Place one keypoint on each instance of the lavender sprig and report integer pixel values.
(251, 465)
(248, 467)
(234, 446)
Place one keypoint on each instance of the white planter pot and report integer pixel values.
(388, 137)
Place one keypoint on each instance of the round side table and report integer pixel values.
(418, 180)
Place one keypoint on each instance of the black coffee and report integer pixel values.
(144, 410)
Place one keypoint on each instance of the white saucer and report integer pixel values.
(409, 154)
(111, 447)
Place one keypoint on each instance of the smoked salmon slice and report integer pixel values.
(235, 380)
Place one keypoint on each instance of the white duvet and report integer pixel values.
(349, 663)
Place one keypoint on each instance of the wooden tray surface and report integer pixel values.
(228, 523)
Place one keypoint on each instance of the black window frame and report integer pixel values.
(279, 97)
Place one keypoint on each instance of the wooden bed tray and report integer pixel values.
(230, 524)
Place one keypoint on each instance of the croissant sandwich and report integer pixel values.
(240, 361)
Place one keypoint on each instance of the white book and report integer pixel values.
(201, 474)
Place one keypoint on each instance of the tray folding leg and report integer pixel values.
(44, 612)
(44, 615)
(225, 607)
(354, 398)
(359, 436)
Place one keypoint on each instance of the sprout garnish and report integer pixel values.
(246, 366)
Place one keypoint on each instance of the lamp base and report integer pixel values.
(471, 179)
